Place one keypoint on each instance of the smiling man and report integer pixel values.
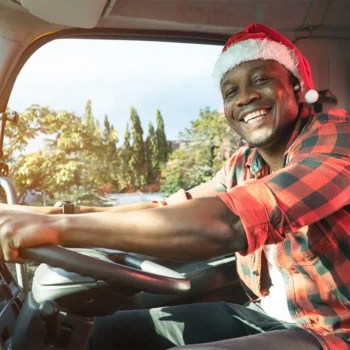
(281, 203)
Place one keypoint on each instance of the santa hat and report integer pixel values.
(258, 42)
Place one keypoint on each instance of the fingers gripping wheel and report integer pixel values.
(110, 272)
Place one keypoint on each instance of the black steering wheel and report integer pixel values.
(111, 272)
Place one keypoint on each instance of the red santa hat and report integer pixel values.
(258, 42)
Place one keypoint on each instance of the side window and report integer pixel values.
(106, 122)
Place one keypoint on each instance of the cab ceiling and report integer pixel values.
(303, 17)
(227, 16)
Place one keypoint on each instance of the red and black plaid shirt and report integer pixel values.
(304, 209)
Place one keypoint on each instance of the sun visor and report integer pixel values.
(72, 13)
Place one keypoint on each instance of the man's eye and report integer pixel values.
(230, 93)
(261, 80)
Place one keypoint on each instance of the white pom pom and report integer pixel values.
(311, 96)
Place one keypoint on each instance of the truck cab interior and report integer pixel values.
(71, 286)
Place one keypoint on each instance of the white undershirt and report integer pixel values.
(275, 303)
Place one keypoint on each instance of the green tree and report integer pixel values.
(207, 144)
(137, 161)
(151, 156)
(127, 175)
(55, 167)
(111, 166)
(82, 148)
(73, 154)
(88, 116)
(174, 173)
(110, 136)
(161, 140)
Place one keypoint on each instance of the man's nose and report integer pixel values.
(246, 96)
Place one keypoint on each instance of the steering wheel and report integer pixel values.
(113, 273)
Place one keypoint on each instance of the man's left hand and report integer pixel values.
(21, 230)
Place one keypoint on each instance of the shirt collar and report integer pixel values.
(255, 161)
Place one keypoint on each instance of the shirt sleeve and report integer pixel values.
(314, 184)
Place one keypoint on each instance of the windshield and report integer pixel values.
(106, 122)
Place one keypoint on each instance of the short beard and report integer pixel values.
(263, 141)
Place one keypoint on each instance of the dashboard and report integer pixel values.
(11, 300)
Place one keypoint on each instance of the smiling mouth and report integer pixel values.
(256, 117)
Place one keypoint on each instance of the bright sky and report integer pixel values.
(115, 75)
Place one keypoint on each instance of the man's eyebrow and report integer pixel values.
(250, 71)
(227, 82)
(260, 68)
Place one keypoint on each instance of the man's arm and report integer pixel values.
(197, 229)
(77, 210)
(207, 189)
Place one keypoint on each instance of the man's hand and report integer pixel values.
(20, 230)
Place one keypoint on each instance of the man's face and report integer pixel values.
(259, 102)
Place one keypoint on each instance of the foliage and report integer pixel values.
(74, 153)
(151, 155)
(126, 153)
(207, 144)
(81, 161)
(89, 118)
(162, 144)
(109, 158)
(137, 161)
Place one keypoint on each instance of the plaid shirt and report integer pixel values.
(304, 209)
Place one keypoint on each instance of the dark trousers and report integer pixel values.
(225, 326)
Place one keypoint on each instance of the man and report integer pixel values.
(281, 203)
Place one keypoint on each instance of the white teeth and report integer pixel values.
(254, 120)
(249, 117)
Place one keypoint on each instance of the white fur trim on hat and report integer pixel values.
(255, 49)
(311, 96)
